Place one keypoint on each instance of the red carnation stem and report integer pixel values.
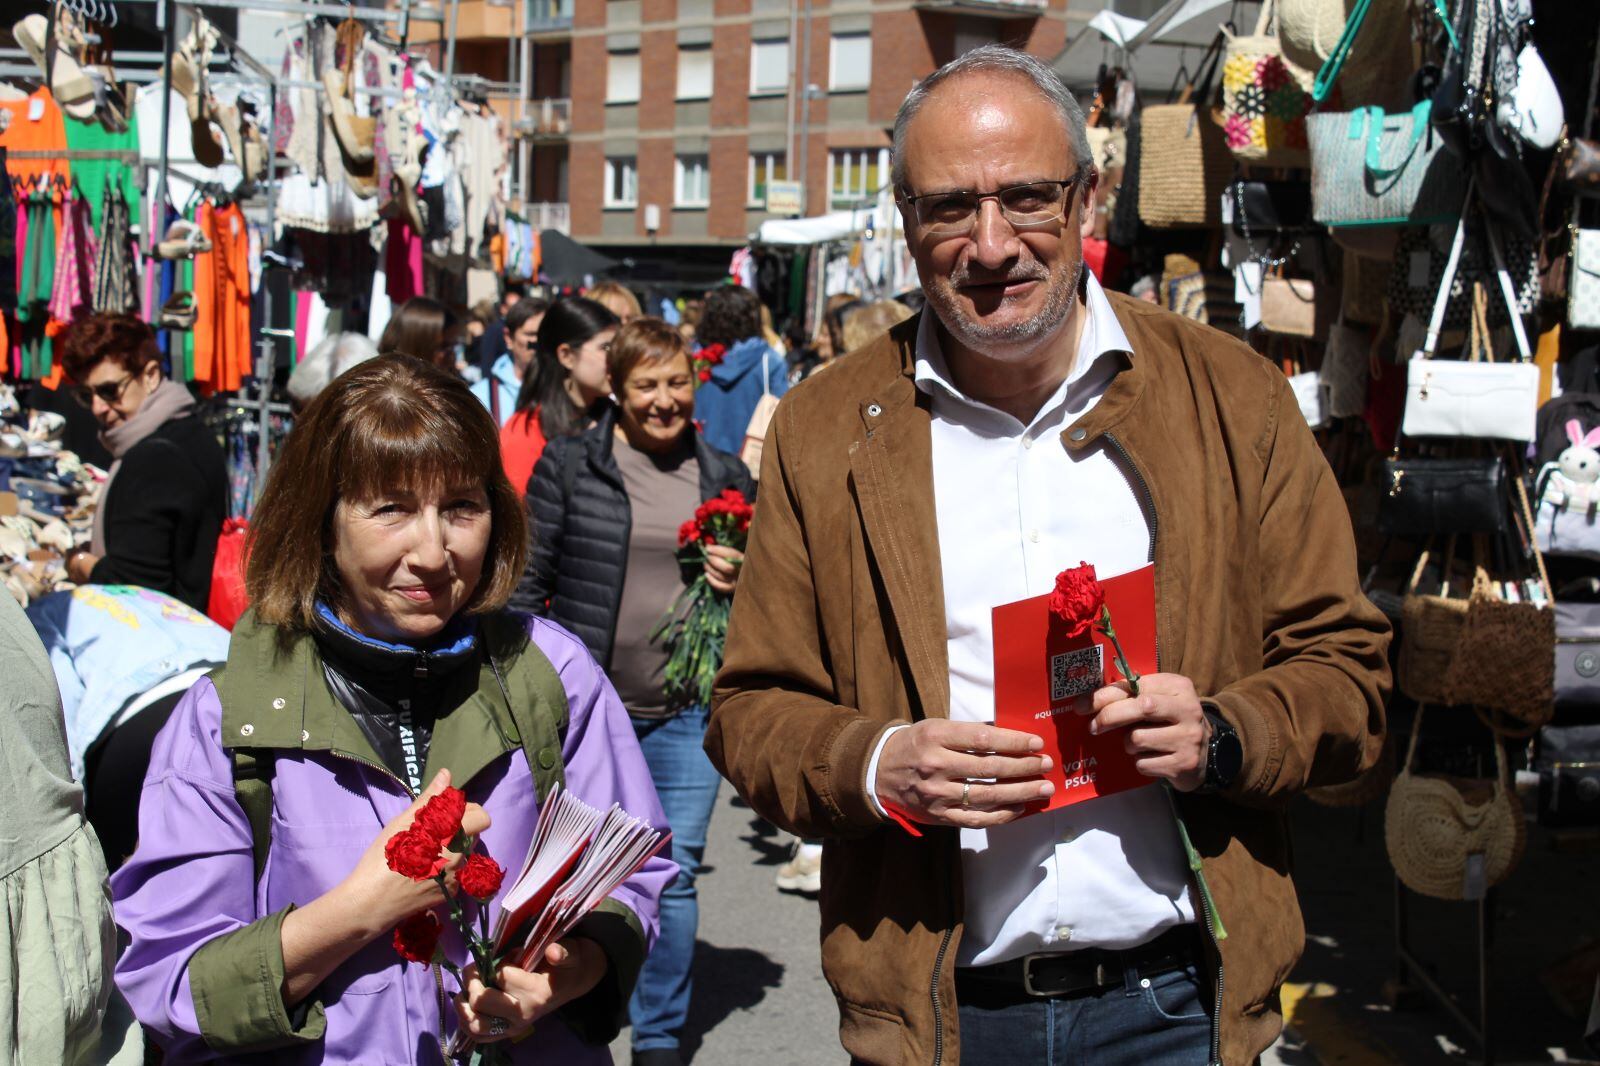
(1116, 651)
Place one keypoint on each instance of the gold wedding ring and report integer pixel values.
(966, 793)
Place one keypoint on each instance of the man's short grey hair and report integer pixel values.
(993, 59)
(331, 356)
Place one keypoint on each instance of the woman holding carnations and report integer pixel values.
(380, 710)
(607, 509)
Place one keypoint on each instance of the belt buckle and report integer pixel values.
(1027, 976)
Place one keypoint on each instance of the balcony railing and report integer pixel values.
(547, 15)
(546, 119)
(550, 215)
(992, 8)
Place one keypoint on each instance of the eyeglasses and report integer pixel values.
(955, 213)
(108, 391)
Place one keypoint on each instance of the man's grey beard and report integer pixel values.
(977, 335)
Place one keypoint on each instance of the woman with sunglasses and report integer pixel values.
(163, 506)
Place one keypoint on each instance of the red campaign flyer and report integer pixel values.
(1042, 679)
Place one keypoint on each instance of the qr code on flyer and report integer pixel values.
(1076, 673)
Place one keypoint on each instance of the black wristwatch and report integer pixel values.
(1225, 756)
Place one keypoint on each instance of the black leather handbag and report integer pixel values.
(1426, 497)
(1269, 206)
(1568, 765)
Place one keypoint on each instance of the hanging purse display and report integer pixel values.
(1265, 99)
(1476, 398)
(1312, 396)
(1372, 169)
(1451, 837)
(1583, 280)
(1577, 654)
(1289, 306)
(1430, 634)
(1261, 207)
(1578, 158)
(1505, 655)
(1183, 159)
(1568, 765)
(1427, 496)
(1345, 367)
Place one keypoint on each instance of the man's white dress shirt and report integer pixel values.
(1014, 509)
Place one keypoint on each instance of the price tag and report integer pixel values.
(35, 108)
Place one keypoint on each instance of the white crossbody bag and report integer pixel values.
(1472, 397)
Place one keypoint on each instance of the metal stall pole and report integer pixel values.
(165, 17)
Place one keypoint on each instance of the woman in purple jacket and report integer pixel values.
(377, 665)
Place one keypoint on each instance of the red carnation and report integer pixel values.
(416, 853)
(441, 816)
(705, 376)
(1078, 599)
(417, 937)
(712, 353)
(688, 533)
(480, 877)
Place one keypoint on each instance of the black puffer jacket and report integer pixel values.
(580, 521)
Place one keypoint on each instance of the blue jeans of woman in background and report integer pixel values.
(687, 784)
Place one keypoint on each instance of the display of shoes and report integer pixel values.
(803, 872)
(48, 498)
(184, 240)
(178, 312)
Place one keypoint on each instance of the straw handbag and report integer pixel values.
(1430, 637)
(1506, 652)
(1450, 837)
(1265, 99)
(1184, 163)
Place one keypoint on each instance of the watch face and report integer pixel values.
(1227, 757)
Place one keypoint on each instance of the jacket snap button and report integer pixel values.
(873, 410)
(279, 703)
(1078, 434)
(246, 729)
(547, 758)
(304, 736)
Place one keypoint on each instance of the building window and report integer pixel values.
(694, 74)
(858, 174)
(765, 168)
(850, 61)
(622, 78)
(622, 182)
(691, 181)
(769, 67)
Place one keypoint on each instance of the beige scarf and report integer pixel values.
(167, 401)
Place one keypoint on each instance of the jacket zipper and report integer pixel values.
(938, 1006)
(1213, 923)
(438, 976)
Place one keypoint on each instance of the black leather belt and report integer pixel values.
(1073, 973)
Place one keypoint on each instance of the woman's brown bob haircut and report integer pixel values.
(643, 340)
(393, 423)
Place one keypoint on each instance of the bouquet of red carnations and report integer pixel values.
(696, 628)
(418, 853)
(704, 359)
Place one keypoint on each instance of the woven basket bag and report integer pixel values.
(1380, 60)
(1430, 638)
(1183, 167)
(1434, 824)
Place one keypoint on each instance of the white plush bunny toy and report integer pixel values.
(1578, 468)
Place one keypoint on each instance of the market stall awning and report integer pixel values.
(830, 227)
(566, 262)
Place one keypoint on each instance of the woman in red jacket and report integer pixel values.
(563, 388)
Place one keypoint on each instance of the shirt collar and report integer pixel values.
(1102, 336)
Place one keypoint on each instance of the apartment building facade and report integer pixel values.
(661, 124)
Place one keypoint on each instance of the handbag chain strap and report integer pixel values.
(1267, 261)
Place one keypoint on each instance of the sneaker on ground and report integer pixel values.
(803, 871)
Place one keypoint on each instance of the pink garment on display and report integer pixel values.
(302, 323)
(402, 262)
(74, 282)
(15, 354)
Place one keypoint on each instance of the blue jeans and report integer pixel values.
(1164, 1021)
(687, 784)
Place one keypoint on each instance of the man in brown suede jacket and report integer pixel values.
(1025, 421)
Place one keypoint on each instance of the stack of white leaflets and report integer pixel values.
(577, 858)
